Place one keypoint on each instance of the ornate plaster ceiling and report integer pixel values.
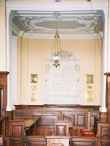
(74, 22)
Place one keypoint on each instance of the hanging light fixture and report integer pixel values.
(57, 50)
(56, 55)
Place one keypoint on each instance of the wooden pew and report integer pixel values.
(26, 141)
(16, 128)
(58, 140)
(20, 127)
(80, 115)
(54, 123)
(62, 127)
(83, 141)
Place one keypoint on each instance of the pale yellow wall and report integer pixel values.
(2, 36)
(33, 56)
(3, 56)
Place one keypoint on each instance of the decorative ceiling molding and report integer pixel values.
(63, 37)
(67, 23)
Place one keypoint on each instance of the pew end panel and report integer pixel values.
(16, 128)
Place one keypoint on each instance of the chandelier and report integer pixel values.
(57, 50)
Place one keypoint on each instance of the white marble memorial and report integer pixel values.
(63, 84)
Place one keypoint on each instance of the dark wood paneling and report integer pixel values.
(48, 119)
(16, 128)
(27, 141)
(103, 131)
(58, 140)
(21, 141)
(103, 134)
(44, 130)
(50, 141)
(82, 119)
(54, 120)
(81, 116)
(88, 141)
(3, 83)
(36, 141)
(61, 130)
(3, 102)
(104, 143)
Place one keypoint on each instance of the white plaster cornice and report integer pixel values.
(72, 36)
(51, 5)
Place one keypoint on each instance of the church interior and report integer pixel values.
(54, 73)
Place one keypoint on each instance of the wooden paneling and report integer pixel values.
(81, 116)
(55, 123)
(88, 141)
(104, 127)
(3, 83)
(16, 128)
(62, 127)
(103, 134)
(44, 130)
(82, 119)
(58, 140)
(103, 131)
(17, 143)
(48, 119)
(3, 102)
(104, 143)
(52, 141)
(27, 141)
(36, 141)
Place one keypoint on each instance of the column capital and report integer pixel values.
(103, 109)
